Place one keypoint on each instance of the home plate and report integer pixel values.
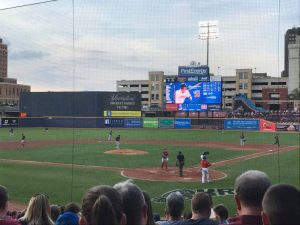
(270, 150)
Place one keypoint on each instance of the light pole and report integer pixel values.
(208, 30)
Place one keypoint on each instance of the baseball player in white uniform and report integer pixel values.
(182, 94)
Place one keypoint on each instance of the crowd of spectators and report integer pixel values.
(274, 116)
(257, 202)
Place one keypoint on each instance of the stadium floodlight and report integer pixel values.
(208, 30)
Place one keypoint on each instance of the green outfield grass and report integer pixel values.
(153, 134)
(24, 180)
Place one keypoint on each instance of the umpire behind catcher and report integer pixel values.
(180, 163)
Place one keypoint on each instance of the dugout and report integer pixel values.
(74, 109)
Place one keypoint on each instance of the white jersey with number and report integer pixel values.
(181, 96)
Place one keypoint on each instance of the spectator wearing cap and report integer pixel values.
(134, 203)
(4, 219)
(102, 205)
(174, 208)
(250, 188)
(281, 205)
(38, 211)
(201, 209)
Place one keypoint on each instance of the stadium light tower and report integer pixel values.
(208, 30)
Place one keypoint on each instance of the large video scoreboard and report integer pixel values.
(193, 93)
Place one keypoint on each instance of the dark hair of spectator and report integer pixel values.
(282, 204)
(103, 212)
(14, 214)
(62, 209)
(150, 220)
(97, 199)
(54, 212)
(3, 197)
(221, 211)
(72, 207)
(201, 203)
(251, 187)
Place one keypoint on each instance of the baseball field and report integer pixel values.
(64, 163)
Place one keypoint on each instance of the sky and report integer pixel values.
(125, 39)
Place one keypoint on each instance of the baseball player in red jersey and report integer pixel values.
(204, 169)
(164, 159)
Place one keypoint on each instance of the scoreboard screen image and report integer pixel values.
(194, 96)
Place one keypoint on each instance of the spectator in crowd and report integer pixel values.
(150, 220)
(68, 218)
(54, 212)
(38, 211)
(281, 205)
(201, 210)
(134, 203)
(62, 209)
(250, 188)
(14, 214)
(174, 209)
(102, 205)
(4, 219)
(221, 213)
(72, 207)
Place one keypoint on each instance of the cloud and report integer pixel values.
(27, 55)
(125, 39)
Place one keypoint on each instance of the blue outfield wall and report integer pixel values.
(61, 122)
(133, 123)
(183, 123)
(238, 124)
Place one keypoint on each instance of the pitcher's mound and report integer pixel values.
(126, 152)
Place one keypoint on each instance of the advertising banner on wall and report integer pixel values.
(9, 122)
(150, 122)
(172, 107)
(132, 123)
(114, 122)
(184, 123)
(287, 126)
(166, 123)
(267, 126)
(122, 113)
(116, 101)
(236, 124)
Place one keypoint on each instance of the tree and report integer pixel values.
(295, 94)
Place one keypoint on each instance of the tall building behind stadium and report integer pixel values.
(10, 90)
